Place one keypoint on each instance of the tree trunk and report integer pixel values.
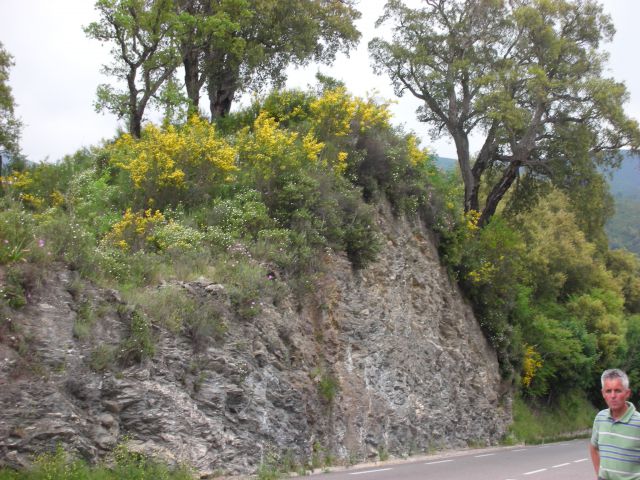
(135, 124)
(135, 118)
(498, 191)
(222, 83)
(192, 78)
(471, 184)
(220, 99)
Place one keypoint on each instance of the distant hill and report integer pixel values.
(446, 163)
(626, 180)
(623, 229)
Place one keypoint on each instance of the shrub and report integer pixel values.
(17, 233)
(95, 202)
(139, 345)
(176, 237)
(134, 230)
(241, 216)
(172, 165)
(103, 358)
(175, 309)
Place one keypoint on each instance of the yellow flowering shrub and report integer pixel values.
(268, 150)
(19, 186)
(134, 230)
(336, 117)
(417, 156)
(369, 114)
(57, 199)
(531, 363)
(332, 113)
(17, 180)
(172, 164)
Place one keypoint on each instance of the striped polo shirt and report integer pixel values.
(618, 442)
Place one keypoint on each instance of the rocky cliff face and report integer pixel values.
(388, 359)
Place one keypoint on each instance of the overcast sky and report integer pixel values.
(57, 70)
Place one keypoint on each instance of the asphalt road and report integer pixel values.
(555, 461)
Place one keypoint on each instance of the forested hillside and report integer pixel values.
(255, 198)
(623, 228)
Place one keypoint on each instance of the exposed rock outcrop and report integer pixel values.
(388, 358)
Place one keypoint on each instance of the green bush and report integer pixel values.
(176, 237)
(175, 309)
(571, 416)
(103, 358)
(128, 465)
(16, 233)
(139, 345)
(241, 216)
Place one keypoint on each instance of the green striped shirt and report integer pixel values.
(618, 442)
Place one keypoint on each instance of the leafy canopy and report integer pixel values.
(526, 76)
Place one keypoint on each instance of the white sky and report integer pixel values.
(57, 68)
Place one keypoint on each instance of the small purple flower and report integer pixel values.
(41, 243)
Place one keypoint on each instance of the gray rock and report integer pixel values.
(389, 358)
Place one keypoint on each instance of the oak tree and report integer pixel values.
(145, 55)
(526, 77)
(233, 46)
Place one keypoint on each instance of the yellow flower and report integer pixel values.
(531, 364)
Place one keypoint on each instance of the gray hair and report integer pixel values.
(614, 373)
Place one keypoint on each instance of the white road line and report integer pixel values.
(580, 460)
(484, 455)
(519, 450)
(440, 461)
(535, 471)
(561, 465)
(370, 471)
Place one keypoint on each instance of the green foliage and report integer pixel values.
(487, 262)
(631, 363)
(561, 260)
(12, 292)
(623, 228)
(144, 51)
(625, 266)
(517, 95)
(567, 352)
(103, 358)
(93, 200)
(139, 345)
(535, 423)
(85, 319)
(247, 283)
(243, 215)
(174, 309)
(16, 234)
(127, 465)
(10, 125)
(250, 44)
(328, 384)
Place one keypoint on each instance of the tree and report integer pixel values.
(145, 55)
(526, 76)
(9, 124)
(205, 24)
(238, 45)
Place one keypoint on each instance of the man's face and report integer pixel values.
(615, 395)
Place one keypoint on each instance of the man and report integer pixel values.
(615, 440)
